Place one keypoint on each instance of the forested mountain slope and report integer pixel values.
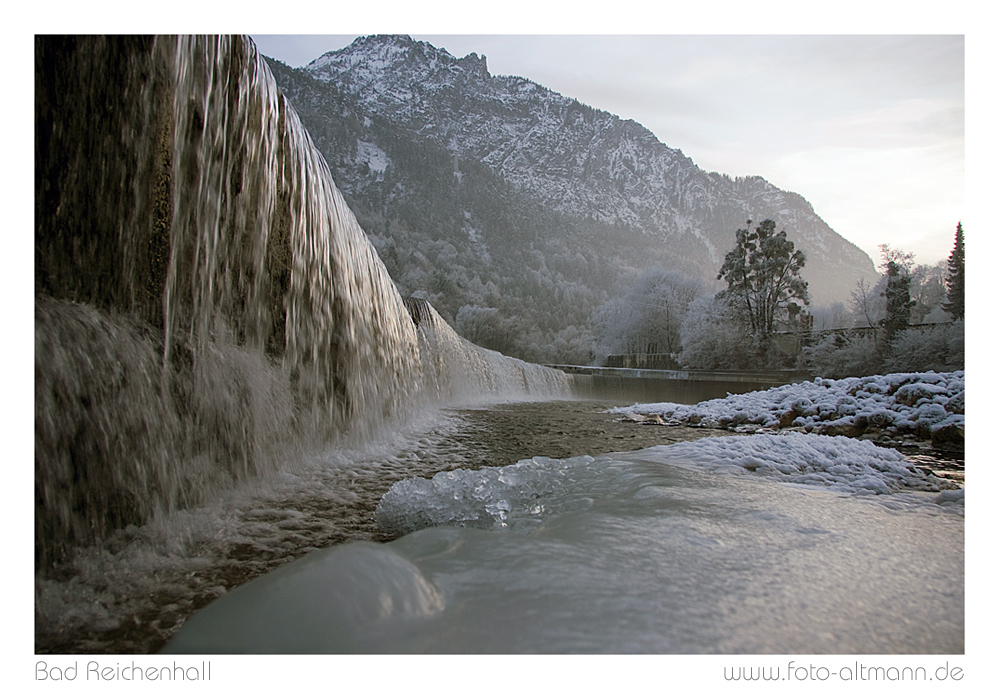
(494, 193)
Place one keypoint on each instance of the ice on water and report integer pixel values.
(519, 495)
(744, 544)
(493, 497)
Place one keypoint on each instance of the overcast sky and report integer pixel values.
(869, 129)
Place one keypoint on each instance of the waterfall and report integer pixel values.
(206, 305)
(452, 367)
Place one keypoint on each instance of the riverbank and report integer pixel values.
(893, 409)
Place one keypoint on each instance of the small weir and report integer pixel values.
(681, 386)
(208, 312)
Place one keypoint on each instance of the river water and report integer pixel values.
(135, 592)
(131, 595)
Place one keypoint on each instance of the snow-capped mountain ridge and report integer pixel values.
(578, 160)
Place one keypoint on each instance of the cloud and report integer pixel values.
(909, 122)
(911, 198)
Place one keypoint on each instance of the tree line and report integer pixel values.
(761, 317)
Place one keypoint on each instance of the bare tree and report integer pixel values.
(866, 304)
(648, 317)
(903, 260)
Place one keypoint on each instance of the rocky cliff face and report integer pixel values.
(579, 161)
(494, 192)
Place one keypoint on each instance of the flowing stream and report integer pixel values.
(134, 593)
(228, 385)
(131, 594)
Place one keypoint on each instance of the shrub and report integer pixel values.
(839, 356)
(940, 349)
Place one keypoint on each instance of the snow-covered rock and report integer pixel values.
(925, 405)
(854, 466)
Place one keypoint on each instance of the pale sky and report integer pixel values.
(869, 129)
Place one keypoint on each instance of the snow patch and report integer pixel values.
(927, 405)
(519, 497)
(844, 464)
(377, 159)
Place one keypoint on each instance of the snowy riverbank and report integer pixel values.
(885, 408)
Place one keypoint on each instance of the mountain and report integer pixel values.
(493, 192)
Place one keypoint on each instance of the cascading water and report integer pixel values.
(215, 338)
(207, 306)
(451, 368)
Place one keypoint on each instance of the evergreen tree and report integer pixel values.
(762, 275)
(956, 278)
(897, 300)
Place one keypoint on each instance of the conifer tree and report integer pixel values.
(955, 304)
(897, 300)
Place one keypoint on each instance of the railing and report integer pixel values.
(748, 375)
(643, 360)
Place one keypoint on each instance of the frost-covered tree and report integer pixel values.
(927, 288)
(571, 345)
(867, 307)
(941, 348)
(956, 277)
(868, 301)
(885, 343)
(829, 316)
(762, 279)
(896, 267)
(486, 327)
(839, 355)
(890, 254)
(648, 317)
(712, 336)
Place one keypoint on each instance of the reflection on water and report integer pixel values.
(131, 595)
(502, 434)
(942, 463)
